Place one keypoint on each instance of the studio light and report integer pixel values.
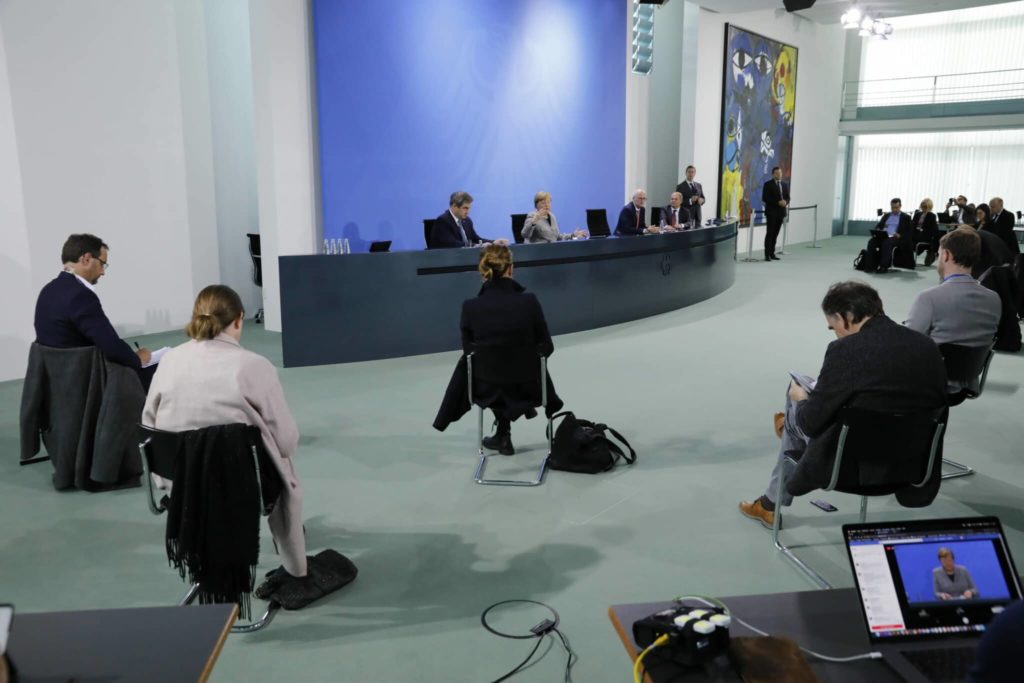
(856, 18)
(851, 18)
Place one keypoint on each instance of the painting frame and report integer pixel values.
(756, 105)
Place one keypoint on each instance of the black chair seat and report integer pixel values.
(518, 221)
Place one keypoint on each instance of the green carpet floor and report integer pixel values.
(693, 390)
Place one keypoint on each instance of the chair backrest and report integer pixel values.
(882, 452)
(655, 215)
(428, 228)
(507, 364)
(518, 221)
(161, 450)
(257, 260)
(597, 223)
(967, 365)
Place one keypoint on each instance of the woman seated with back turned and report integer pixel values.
(503, 314)
(211, 380)
(541, 225)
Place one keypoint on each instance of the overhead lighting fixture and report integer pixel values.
(866, 26)
(851, 17)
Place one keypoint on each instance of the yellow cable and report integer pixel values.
(639, 660)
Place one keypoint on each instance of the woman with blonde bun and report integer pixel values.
(503, 314)
(211, 380)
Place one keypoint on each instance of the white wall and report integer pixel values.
(818, 89)
(105, 128)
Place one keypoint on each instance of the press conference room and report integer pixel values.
(551, 340)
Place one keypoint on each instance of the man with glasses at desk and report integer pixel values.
(69, 314)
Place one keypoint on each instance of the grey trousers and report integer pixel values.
(794, 443)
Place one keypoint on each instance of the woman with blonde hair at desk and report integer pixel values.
(542, 226)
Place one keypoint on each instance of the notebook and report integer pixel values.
(929, 588)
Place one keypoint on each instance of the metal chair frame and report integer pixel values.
(786, 551)
(959, 468)
(158, 508)
(479, 476)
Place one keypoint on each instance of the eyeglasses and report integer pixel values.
(105, 266)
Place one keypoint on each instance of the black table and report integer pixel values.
(828, 621)
(339, 309)
(151, 644)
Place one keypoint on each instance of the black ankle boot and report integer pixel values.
(500, 442)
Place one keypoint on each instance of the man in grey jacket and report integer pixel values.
(951, 581)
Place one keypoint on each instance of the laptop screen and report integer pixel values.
(931, 577)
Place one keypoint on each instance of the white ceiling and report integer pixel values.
(829, 11)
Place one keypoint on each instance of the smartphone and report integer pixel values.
(824, 505)
(880, 212)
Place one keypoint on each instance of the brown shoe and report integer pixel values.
(780, 422)
(757, 511)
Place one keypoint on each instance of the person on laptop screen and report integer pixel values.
(952, 581)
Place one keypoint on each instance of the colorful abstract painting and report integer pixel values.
(758, 115)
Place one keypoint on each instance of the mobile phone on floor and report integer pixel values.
(824, 505)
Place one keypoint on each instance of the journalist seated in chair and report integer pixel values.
(542, 226)
(875, 364)
(68, 310)
(926, 231)
(959, 310)
(897, 233)
(211, 380)
(503, 314)
(952, 581)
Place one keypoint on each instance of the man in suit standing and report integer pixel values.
(454, 227)
(1002, 224)
(675, 214)
(875, 364)
(897, 228)
(68, 312)
(693, 195)
(775, 195)
(632, 218)
(959, 310)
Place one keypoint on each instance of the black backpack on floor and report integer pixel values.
(581, 446)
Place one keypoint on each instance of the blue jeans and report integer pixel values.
(794, 443)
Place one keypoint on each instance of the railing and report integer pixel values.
(979, 86)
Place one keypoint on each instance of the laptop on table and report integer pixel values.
(924, 632)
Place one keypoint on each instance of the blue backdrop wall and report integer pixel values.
(501, 99)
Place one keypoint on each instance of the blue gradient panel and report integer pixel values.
(419, 99)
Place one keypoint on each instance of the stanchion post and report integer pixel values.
(785, 231)
(750, 245)
(814, 240)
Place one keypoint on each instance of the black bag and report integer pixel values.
(581, 446)
(867, 260)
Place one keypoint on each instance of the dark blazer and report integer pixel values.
(961, 215)
(1003, 226)
(993, 253)
(69, 315)
(502, 314)
(885, 366)
(771, 196)
(627, 221)
(446, 234)
(905, 229)
(697, 191)
(1003, 282)
(684, 215)
(928, 224)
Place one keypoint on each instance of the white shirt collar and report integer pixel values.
(91, 286)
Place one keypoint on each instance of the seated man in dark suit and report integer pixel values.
(69, 314)
(898, 230)
(675, 215)
(1002, 224)
(454, 227)
(875, 364)
(632, 218)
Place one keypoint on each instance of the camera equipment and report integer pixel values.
(696, 634)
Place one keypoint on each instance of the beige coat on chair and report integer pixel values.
(205, 383)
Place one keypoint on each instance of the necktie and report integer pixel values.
(465, 239)
(690, 184)
(778, 184)
(675, 216)
(638, 218)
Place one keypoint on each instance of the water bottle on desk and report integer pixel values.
(327, 247)
(347, 247)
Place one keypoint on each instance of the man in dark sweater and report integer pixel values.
(874, 363)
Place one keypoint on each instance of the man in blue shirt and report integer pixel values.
(898, 228)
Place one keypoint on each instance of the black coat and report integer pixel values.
(771, 196)
(446, 233)
(502, 314)
(1003, 227)
(884, 367)
(627, 221)
(1002, 281)
(993, 253)
(926, 228)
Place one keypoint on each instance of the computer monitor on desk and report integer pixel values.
(597, 223)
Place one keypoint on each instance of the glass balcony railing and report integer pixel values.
(983, 86)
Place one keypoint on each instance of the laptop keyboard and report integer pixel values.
(947, 664)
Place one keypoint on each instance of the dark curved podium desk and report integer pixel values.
(339, 309)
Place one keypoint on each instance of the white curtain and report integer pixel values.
(977, 164)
